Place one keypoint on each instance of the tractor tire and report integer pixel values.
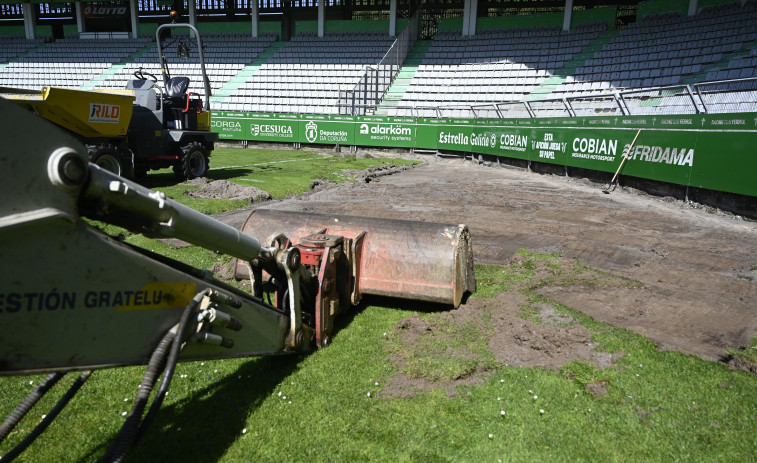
(107, 157)
(193, 161)
(140, 170)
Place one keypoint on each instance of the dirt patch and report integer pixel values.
(223, 270)
(509, 331)
(739, 362)
(697, 267)
(223, 189)
(597, 388)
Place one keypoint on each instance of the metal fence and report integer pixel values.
(367, 94)
(725, 96)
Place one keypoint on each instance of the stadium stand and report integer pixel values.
(589, 64)
(669, 49)
(226, 55)
(507, 67)
(494, 66)
(69, 62)
(306, 74)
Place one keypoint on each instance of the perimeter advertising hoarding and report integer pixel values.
(327, 129)
(398, 132)
(716, 152)
(256, 126)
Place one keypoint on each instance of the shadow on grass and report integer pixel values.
(166, 179)
(236, 172)
(404, 304)
(202, 426)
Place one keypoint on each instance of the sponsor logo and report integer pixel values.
(596, 149)
(387, 132)
(453, 138)
(513, 142)
(90, 10)
(229, 126)
(105, 113)
(667, 155)
(271, 130)
(311, 131)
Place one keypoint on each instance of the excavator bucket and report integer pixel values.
(395, 258)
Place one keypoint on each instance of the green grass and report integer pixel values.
(659, 406)
(280, 173)
(332, 405)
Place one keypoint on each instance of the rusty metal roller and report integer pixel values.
(400, 258)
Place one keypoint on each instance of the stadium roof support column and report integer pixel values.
(392, 18)
(693, 7)
(321, 17)
(134, 13)
(568, 17)
(470, 15)
(29, 28)
(79, 18)
(192, 12)
(254, 14)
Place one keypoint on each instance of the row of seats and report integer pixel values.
(669, 49)
(515, 64)
(308, 73)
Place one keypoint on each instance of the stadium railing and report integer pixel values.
(735, 95)
(369, 91)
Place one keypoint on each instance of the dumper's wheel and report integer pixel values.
(106, 156)
(193, 162)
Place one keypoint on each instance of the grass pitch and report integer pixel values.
(331, 406)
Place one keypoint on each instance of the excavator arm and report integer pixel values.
(75, 298)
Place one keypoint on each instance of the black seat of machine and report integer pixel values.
(176, 87)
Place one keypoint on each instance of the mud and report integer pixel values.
(223, 189)
(546, 340)
(696, 266)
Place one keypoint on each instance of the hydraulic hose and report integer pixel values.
(16, 451)
(127, 435)
(15, 417)
(172, 360)
(134, 427)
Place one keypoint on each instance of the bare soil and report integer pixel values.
(223, 189)
(696, 266)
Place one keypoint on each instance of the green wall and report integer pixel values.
(650, 7)
(346, 25)
(238, 27)
(596, 15)
(15, 31)
(714, 152)
(603, 14)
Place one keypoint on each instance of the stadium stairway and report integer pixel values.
(98, 81)
(396, 91)
(562, 75)
(244, 75)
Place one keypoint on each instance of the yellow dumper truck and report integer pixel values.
(145, 126)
